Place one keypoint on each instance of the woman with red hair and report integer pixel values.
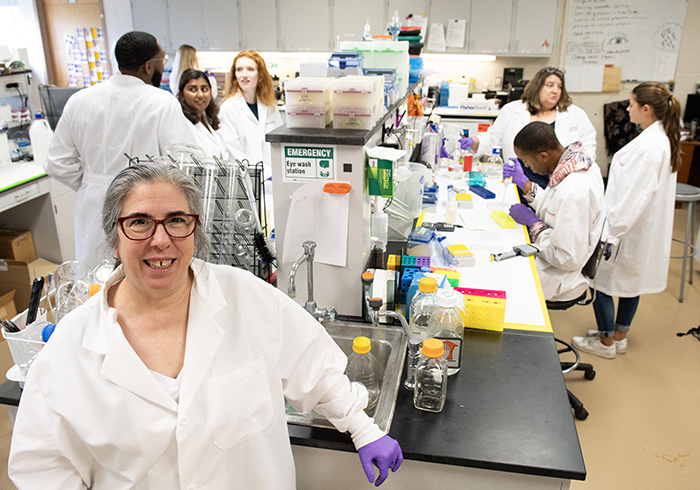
(249, 110)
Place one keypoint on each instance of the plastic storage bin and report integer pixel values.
(352, 118)
(307, 92)
(308, 116)
(360, 92)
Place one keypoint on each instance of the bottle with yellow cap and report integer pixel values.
(362, 368)
(423, 306)
(431, 377)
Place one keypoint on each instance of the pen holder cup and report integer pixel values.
(25, 344)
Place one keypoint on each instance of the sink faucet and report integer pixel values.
(319, 313)
(373, 306)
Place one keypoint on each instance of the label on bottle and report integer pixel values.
(453, 351)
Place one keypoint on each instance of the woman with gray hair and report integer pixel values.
(176, 374)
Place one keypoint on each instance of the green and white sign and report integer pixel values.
(303, 163)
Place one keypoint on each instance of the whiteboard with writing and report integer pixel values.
(641, 36)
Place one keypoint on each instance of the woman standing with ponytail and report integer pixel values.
(639, 203)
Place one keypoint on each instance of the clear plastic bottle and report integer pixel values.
(362, 368)
(430, 388)
(423, 305)
(447, 325)
(494, 164)
(367, 34)
(40, 134)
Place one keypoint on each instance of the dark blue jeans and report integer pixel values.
(604, 309)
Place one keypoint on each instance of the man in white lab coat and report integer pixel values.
(127, 114)
(569, 214)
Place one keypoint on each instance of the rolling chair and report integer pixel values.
(589, 270)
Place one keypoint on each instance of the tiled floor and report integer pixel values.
(643, 431)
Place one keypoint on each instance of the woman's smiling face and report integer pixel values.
(157, 266)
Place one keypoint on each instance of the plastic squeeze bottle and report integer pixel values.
(362, 368)
(40, 134)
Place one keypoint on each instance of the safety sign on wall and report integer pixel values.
(304, 163)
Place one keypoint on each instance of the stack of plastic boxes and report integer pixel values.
(308, 102)
(384, 54)
(358, 102)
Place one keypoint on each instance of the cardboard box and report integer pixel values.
(7, 306)
(17, 245)
(18, 275)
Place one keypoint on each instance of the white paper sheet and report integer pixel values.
(456, 30)
(436, 38)
(419, 21)
(584, 78)
(321, 217)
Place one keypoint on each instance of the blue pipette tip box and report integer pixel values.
(482, 191)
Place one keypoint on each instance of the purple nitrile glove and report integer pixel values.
(523, 214)
(514, 169)
(465, 143)
(384, 453)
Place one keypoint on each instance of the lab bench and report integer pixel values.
(26, 203)
(506, 424)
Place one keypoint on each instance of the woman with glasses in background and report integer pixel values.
(200, 108)
(176, 373)
(544, 99)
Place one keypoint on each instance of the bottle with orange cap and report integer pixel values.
(362, 368)
(431, 377)
(423, 306)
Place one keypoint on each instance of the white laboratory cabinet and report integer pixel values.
(304, 26)
(534, 29)
(490, 28)
(259, 25)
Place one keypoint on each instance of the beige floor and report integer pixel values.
(643, 431)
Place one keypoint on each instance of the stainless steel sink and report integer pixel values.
(389, 347)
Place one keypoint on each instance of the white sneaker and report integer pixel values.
(594, 346)
(620, 345)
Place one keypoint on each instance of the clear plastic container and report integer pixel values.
(493, 167)
(308, 116)
(353, 117)
(430, 390)
(358, 91)
(363, 368)
(307, 92)
(447, 325)
(423, 307)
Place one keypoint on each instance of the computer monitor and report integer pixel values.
(54, 99)
(692, 108)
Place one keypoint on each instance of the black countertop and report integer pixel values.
(506, 410)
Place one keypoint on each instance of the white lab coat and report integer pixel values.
(98, 126)
(211, 142)
(244, 135)
(571, 125)
(93, 416)
(639, 202)
(574, 212)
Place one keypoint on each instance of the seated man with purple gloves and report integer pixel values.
(569, 213)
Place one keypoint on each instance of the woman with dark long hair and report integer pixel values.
(194, 94)
(639, 203)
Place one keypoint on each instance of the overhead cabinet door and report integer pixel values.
(221, 30)
(490, 26)
(535, 27)
(259, 25)
(304, 25)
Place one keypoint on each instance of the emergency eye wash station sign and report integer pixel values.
(305, 163)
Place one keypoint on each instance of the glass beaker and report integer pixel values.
(72, 287)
